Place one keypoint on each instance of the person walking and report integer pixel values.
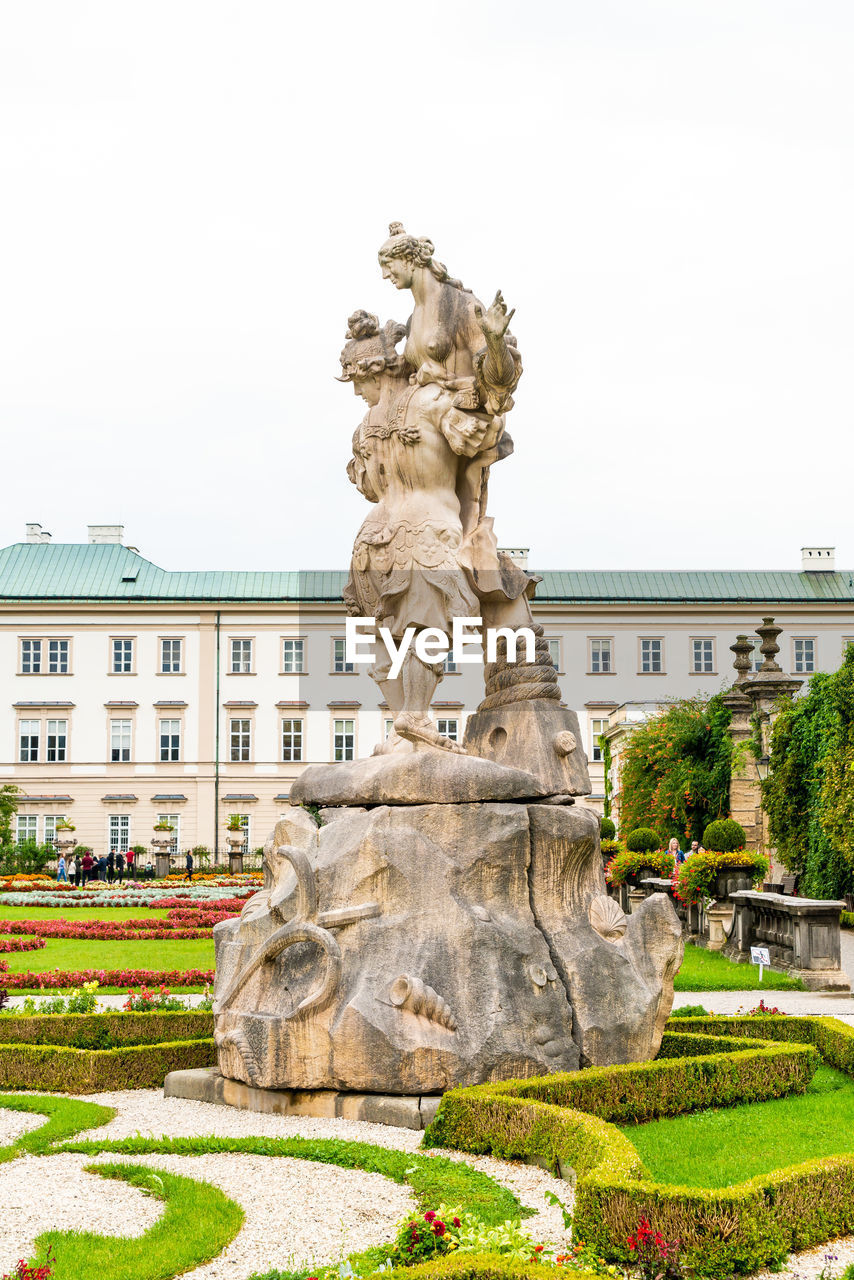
(61, 872)
(189, 866)
(72, 869)
(78, 870)
(130, 860)
(111, 866)
(120, 866)
(102, 867)
(87, 863)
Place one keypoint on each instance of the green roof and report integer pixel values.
(108, 572)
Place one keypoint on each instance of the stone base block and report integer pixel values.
(205, 1084)
(822, 979)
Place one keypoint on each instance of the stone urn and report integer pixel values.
(235, 838)
(64, 841)
(162, 842)
(730, 880)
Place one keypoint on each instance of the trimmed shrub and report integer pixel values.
(642, 840)
(58, 1069)
(846, 919)
(89, 1030)
(732, 1230)
(607, 830)
(724, 835)
(695, 877)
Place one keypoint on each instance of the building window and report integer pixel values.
(291, 740)
(31, 657)
(344, 739)
(57, 741)
(30, 731)
(651, 656)
(120, 740)
(846, 641)
(757, 659)
(804, 656)
(450, 665)
(293, 657)
(448, 729)
(554, 653)
(339, 657)
(244, 823)
(702, 656)
(170, 657)
(50, 822)
(241, 657)
(57, 657)
(27, 828)
(174, 820)
(600, 657)
(240, 739)
(122, 664)
(120, 832)
(388, 725)
(170, 739)
(597, 728)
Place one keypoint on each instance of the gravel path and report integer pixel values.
(14, 1123)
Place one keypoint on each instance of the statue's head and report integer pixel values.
(402, 254)
(370, 355)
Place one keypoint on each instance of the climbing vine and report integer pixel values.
(676, 770)
(809, 792)
(605, 748)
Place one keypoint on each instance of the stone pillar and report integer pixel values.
(745, 799)
(767, 690)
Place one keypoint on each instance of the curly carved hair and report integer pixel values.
(370, 349)
(417, 251)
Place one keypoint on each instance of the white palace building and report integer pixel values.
(130, 693)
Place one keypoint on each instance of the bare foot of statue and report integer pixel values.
(418, 730)
(393, 745)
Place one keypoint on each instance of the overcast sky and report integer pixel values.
(193, 198)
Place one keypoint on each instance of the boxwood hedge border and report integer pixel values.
(726, 1231)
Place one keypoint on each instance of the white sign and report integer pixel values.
(759, 955)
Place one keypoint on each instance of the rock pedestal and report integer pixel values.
(406, 949)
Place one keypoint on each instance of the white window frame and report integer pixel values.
(168, 666)
(173, 747)
(117, 740)
(449, 727)
(49, 829)
(649, 658)
(449, 665)
(239, 735)
(174, 820)
(58, 656)
(756, 658)
(595, 749)
(23, 823)
(799, 663)
(388, 727)
(31, 656)
(340, 665)
(343, 738)
(239, 663)
(32, 730)
(702, 669)
(293, 663)
(555, 647)
(601, 660)
(58, 730)
(296, 733)
(118, 832)
(122, 655)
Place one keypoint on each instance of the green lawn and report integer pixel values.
(704, 970)
(719, 1148)
(79, 913)
(73, 953)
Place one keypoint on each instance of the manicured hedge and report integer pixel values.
(733, 1230)
(846, 919)
(58, 1069)
(104, 1030)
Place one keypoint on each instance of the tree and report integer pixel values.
(8, 809)
(676, 770)
(809, 792)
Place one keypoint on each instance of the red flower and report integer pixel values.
(457, 1222)
(439, 1228)
(430, 1216)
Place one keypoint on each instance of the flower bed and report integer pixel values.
(157, 897)
(694, 878)
(21, 944)
(58, 979)
(102, 930)
(735, 1229)
(626, 864)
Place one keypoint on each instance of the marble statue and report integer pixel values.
(445, 920)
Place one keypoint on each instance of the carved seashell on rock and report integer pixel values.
(415, 995)
(608, 918)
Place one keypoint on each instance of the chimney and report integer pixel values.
(35, 533)
(106, 533)
(818, 559)
(519, 555)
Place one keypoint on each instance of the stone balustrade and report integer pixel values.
(801, 935)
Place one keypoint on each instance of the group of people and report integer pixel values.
(110, 867)
(681, 854)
